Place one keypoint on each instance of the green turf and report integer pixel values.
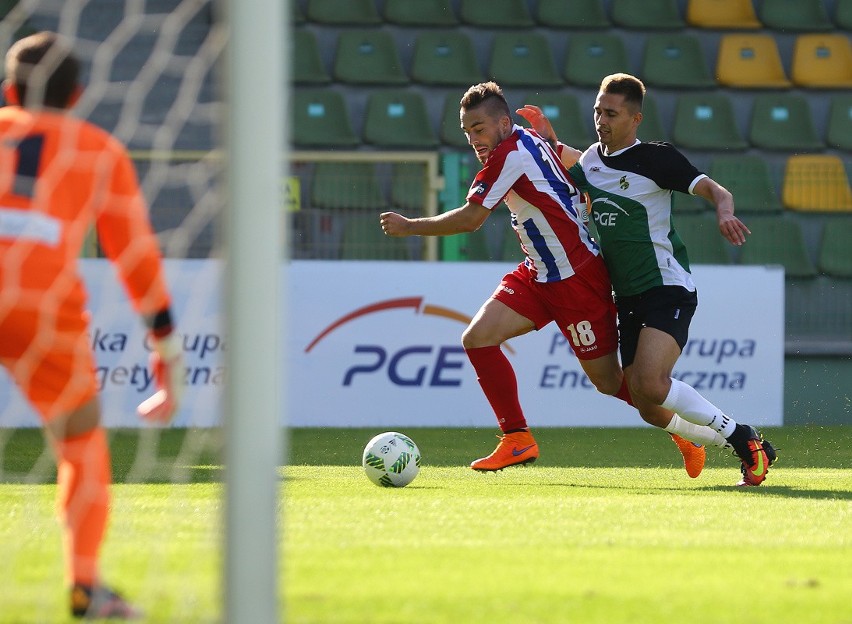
(605, 528)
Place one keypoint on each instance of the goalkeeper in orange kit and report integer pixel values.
(59, 176)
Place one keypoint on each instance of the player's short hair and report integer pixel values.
(43, 68)
(627, 85)
(486, 94)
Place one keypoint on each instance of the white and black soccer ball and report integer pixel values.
(391, 459)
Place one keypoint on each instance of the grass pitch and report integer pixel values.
(606, 527)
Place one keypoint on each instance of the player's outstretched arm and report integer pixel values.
(467, 218)
(541, 124)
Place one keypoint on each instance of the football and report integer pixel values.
(391, 459)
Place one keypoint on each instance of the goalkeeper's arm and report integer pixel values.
(167, 364)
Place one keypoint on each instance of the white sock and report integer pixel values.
(700, 434)
(690, 405)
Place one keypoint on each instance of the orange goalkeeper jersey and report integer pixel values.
(58, 176)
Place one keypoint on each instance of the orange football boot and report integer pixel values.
(694, 455)
(514, 449)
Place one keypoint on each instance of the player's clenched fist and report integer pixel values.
(394, 224)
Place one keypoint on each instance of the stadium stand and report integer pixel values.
(675, 61)
(591, 56)
(748, 178)
(345, 186)
(783, 121)
(397, 119)
(651, 128)
(321, 119)
(705, 121)
(816, 182)
(839, 132)
(795, 15)
(684, 204)
(569, 122)
(835, 252)
(523, 60)
(822, 61)
(700, 234)
(308, 67)
(722, 14)
(445, 58)
(778, 240)
(368, 57)
(407, 186)
(362, 240)
(750, 61)
(843, 14)
(583, 15)
(343, 12)
(450, 131)
(496, 13)
(647, 14)
(420, 13)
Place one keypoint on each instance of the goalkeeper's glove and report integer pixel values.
(167, 364)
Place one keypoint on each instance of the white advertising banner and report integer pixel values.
(377, 344)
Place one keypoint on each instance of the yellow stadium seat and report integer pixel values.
(822, 61)
(750, 62)
(816, 182)
(721, 14)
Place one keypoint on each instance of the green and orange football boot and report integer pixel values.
(755, 453)
(515, 449)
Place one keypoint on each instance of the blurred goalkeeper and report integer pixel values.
(59, 176)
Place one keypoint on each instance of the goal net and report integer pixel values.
(152, 74)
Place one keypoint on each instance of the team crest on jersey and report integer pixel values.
(623, 183)
(480, 188)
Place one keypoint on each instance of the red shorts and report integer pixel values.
(581, 305)
(47, 352)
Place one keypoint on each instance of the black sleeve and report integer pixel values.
(668, 167)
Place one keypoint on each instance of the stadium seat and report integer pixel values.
(363, 239)
(700, 234)
(420, 13)
(570, 123)
(705, 121)
(822, 61)
(684, 203)
(582, 14)
(346, 186)
(647, 14)
(835, 252)
(368, 57)
(321, 119)
(843, 14)
(296, 16)
(450, 131)
(591, 56)
(839, 132)
(816, 182)
(722, 14)
(487, 244)
(445, 58)
(750, 61)
(651, 128)
(397, 118)
(308, 67)
(675, 61)
(749, 179)
(343, 12)
(783, 121)
(408, 187)
(777, 240)
(496, 13)
(523, 60)
(795, 15)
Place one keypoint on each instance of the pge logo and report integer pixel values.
(410, 366)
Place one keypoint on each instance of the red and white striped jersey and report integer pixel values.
(524, 171)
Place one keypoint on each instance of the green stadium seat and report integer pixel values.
(722, 14)
(843, 14)
(308, 67)
(496, 13)
(363, 239)
(748, 178)
(651, 128)
(777, 240)
(816, 182)
(445, 58)
(676, 61)
(296, 16)
(839, 132)
(347, 185)
(704, 243)
(705, 121)
(368, 57)
(835, 252)
(795, 15)
(822, 61)
(580, 15)
(450, 131)
(420, 13)
(684, 203)
(487, 243)
(783, 121)
(398, 119)
(321, 119)
(750, 61)
(408, 187)
(343, 12)
(591, 56)
(523, 60)
(572, 126)
(647, 14)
